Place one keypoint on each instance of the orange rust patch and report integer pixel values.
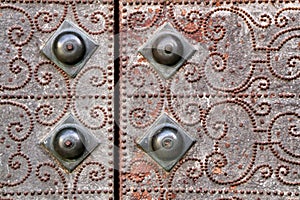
(218, 3)
(142, 59)
(227, 145)
(217, 170)
(226, 55)
(144, 195)
(232, 187)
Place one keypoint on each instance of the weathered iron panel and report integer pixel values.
(237, 96)
(36, 96)
(223, 125)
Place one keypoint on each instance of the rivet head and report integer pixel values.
(69, 48)
(69, 143)
(166, 142)
(167, 49)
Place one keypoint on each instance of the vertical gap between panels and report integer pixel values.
(116, 100)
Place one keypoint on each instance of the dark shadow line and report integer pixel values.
(116, 100)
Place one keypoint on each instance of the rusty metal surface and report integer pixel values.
(237, 96)
(240, 102)
(36, 95)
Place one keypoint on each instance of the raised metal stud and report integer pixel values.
(69, 48)
(167, 50)
(166, 142)
(70, 143)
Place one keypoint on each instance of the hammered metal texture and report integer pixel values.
(240, 102)
(36, 95)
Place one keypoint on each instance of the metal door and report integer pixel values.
(150, 99)
(56, 103)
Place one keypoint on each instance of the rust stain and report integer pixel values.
(144, 195)
(136, 72)
(218, 3)
(217, 170)
(142, 59)
(226, 55)
(232, 187)
(173, 196)
(198, 37)
(148, 22)
(227, 145)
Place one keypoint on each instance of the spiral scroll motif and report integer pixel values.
(35, 94)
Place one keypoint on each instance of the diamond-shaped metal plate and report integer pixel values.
(90, 46)
(240, 100)
(166, 142)
(187, 50)
(88, 141)
(36, 95)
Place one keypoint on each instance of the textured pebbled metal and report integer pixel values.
(237, 96)
(38, 94)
